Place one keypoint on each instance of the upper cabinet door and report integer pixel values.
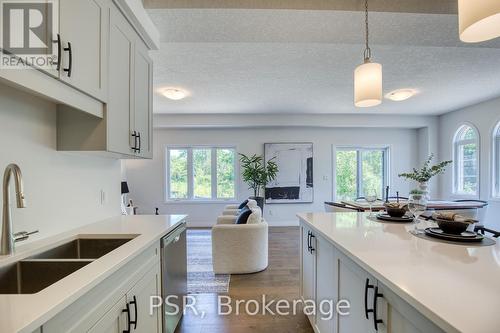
(143, 98)
(83, 30)
(119, 109)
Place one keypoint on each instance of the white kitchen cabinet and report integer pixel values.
(326, 290)
(119, 110)
(103, 309)
(308, 268)
(113, 321)
(357, 287)
(83, 28)
(400, 316)
(138, 299)
(143, 98)
(125, 131)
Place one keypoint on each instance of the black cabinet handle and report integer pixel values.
(134, 135)
(309, 241)
(58, 41)
(70, 65)
(312, 247)
(375, 320)
(134, 322)
(127, 311)
(367, 286)
(140, 143)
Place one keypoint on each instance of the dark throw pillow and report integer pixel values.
(243, 204)
(243, 216)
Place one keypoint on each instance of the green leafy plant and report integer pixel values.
(256, 172)
(427, 171)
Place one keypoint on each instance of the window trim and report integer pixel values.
(495, 163)
(455, 144)
(387, 165)
(190, 199)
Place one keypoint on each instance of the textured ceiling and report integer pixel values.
(302, 61)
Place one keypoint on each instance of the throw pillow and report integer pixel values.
(252, 203)
(243, 204)
(243, 216)
(255, 217)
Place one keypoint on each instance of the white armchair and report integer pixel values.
(239, 248)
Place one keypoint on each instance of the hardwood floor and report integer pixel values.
(279, 281)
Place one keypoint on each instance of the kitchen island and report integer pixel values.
(394, 281)
(94, 297)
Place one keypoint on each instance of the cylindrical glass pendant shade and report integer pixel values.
(368, 84)
(478, 20)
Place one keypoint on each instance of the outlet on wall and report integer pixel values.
(102, 197)
(270, 211)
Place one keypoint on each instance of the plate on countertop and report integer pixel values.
(387, 217)
(466, 236)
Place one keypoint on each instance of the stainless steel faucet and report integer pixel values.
(7, 238)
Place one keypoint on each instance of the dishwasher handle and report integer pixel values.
(173, 236)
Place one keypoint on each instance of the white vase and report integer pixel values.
(424, 187)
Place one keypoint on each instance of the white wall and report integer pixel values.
(62, 189)
(146, 178)
(484, 117)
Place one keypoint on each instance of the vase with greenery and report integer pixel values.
(257, 174)
(425, 173)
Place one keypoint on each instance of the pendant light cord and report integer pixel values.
(368, 52)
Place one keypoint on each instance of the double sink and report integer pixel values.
(33, 274)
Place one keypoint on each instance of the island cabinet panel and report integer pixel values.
(402, 317)
(318, 268)
(328, 272)
(308, 271)
(326, 291)
(357, 287)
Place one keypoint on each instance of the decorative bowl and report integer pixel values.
(395, 210)
(452, 227)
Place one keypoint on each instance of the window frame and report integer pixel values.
(456, 143)
(190, 180)
(495, 162)
(386, 181)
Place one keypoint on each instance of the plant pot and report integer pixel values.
(260, 202)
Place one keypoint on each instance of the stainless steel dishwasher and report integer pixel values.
(174, 275)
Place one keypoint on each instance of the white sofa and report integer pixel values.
(239, 248)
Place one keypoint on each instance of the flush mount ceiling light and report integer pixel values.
(478, 20)
(400, 94)
(174, 93)
(367, 76)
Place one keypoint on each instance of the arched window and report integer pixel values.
(466, 158)
(496, 161)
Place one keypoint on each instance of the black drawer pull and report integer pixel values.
(312, 247)
(70, 64)
(367, 286)
(127, 311)
(375, 320)
(134, 322)
(309, 241)
(58, 41)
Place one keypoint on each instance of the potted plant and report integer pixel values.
(257, 173)
(425, 173)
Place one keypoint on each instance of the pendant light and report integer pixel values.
(367, 76)
(478, 20)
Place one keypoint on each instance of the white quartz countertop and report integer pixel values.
(455, 286)
(25, 313)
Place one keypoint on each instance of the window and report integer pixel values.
(201, 173)
(496, 161)
(466, 170)
(358, 169)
